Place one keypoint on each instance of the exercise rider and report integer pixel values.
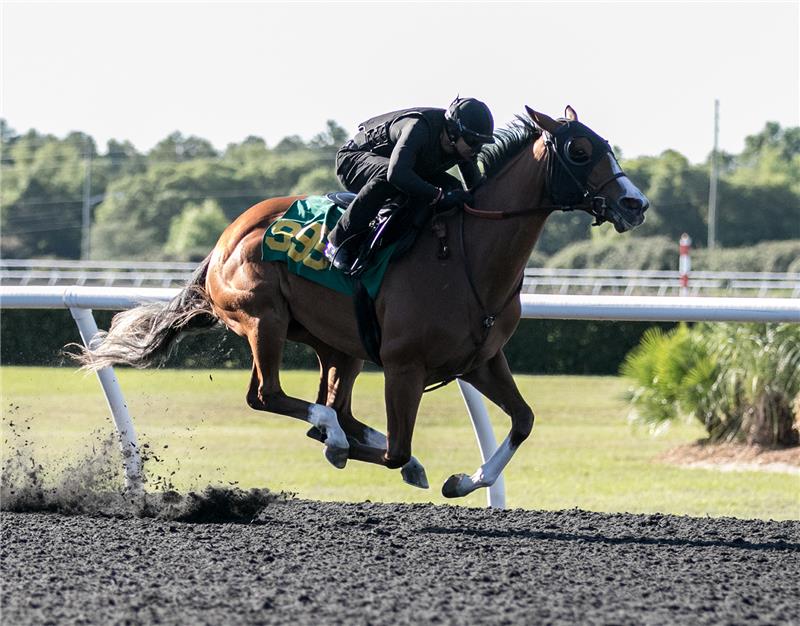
(407, 153)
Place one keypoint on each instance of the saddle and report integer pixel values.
(342, 199)
(399, 220)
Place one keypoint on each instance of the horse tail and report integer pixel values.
(147, 335)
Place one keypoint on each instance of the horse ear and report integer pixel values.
(542, 121)
(570, 114)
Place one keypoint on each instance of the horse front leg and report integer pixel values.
(494, 380)
(403, 389)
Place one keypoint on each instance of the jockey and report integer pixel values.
(408, 153)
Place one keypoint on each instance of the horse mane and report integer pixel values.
(508, 143)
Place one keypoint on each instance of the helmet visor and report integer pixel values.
(473, 138)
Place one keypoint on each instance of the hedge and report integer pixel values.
(661, 253)
(539, 346)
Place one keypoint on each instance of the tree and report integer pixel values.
(561, 230)
(785, 141)
(331, 139)
(194, 232)
(251, 150)
(318, 181)
(176, 148)
(43, 176)
(122, 158)
(134, 219)
(678, 194)
(42, 194)
(753, 212)
(7, 134)
(292, 143)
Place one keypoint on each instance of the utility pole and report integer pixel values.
(712, 188)
(86, 216)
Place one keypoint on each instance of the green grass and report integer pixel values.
(583, 453)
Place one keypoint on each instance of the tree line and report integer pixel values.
(172, 202)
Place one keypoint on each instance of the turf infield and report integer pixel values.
(583, 452)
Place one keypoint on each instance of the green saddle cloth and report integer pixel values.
(299, 238)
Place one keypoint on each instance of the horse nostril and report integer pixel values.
(632, 204)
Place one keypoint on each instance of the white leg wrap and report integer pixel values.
(324, 418)
(374, 439)
(491, 470)
(459, 485)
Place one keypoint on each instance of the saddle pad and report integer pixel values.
(299, 238)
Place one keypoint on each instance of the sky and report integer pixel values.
(642, 74)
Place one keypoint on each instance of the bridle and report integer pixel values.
(567, 180)
(564, 169)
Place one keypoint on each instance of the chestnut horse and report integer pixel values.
(440, 318)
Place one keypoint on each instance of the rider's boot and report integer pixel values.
(341, 256)
(345, 238)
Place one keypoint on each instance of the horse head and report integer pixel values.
(583, 172)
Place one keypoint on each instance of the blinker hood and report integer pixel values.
(568, 179)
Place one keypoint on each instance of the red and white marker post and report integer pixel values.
(685, 263)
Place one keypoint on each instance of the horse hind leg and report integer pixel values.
(338, 372)
(267, 337)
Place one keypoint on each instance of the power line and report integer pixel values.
(159, 195)
(34, 220)
(45, 229)
(145, 160)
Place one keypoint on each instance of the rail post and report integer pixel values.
(116, 402)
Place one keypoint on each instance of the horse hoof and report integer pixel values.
(337, 456)
(414, 474)
(316, 433)
(455, 487)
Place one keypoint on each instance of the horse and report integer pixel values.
(441, 318)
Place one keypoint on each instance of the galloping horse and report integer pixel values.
(440, 318)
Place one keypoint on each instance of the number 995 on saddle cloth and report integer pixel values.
(299, 236)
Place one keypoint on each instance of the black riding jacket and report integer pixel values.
(410, 139)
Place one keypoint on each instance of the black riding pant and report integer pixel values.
(365, 174)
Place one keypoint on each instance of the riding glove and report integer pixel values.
(454, 198)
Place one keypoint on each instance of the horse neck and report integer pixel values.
(498, 250)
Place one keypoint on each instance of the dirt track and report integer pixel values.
(383, 564)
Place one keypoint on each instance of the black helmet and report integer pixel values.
(471, 119)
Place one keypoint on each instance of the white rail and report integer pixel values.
(537, 280)
(661, 309)
(81, 300)
(99, 273)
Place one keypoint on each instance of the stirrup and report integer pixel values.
(340, 257)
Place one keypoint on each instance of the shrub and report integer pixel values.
(738, 380)
(769, 256)
(661, 253)
(644, 253)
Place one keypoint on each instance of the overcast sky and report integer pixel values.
(643, 74)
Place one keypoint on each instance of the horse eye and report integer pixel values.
(578, 155)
